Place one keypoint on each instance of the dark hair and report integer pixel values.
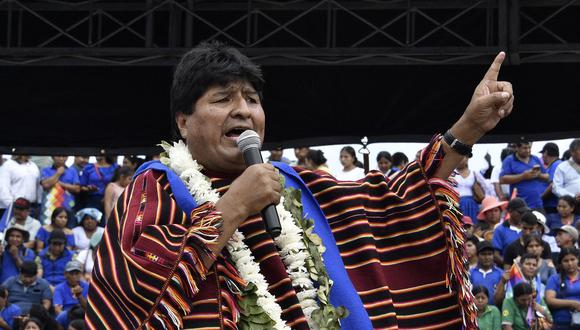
(56, 212)
(480, 289)
(506, 152)
(527, 256)
(563, 253)
(399, 158)
(386, 155)
(566, 155)
(522, 141)
(29, 268)
(316, 156)
(522, 288)
(350, 150)
(77, 312)
(38, 322)
(135, 160)
(77, 324)
(530, 218)
(570, 200)
(122, 171)
(472, 239)
(208, 64)
(532, 238)
(3, 291)
(575, 144)
(39, 312)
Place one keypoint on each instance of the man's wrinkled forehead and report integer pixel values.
(231, 87)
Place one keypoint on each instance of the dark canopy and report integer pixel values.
(47, 110)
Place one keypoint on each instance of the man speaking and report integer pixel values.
(186, 247)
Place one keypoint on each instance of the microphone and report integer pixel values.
(249, 144)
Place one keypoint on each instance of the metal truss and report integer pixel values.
(299, 32)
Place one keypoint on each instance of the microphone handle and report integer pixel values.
(269, 214)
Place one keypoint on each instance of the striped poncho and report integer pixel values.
(400, 241)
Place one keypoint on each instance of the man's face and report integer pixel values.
(485, 258)
(300, 153)
(529, 267)
(524, 150)
(493, 216)
(27, 280)
(563, 239)
(21, 214)
(81, 160)
(73, 277)
(515, 217)
(16, 238)
(56, 248)
(220, 115)
(58, 161)
(528, 229)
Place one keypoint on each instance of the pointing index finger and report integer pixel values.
(493, 71)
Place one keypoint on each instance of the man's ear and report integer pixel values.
(181, 121)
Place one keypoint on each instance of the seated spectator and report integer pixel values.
(8, 311)
(39, 312)
(26, 289)
(471, 251)
(467, 225)
(22, 217)
(488, 317)
(534, 245)
(563, 289)
(526, 173)
(315, 161)
(71, 292)
(121, 179)
(486, 273)
(77, 325)
(385, 163)
(520, 312)
(15, 253)
(350, 171)
(76, 313)
(58, 220)
(509, 230)
(530, 225)
(524, 269)
(277, 155)
(566, 213)
(32, 323)
(551, 159)
(490, 214)
(54, 258)
(566, 236)
(59, 183)
(567, 175)
(88, 220)
(470, 189)
(94, 180)
(400, 160)
(300, 154)
(87, 257)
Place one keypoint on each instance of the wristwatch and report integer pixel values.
(458, 146)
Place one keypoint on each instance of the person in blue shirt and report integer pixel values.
(74, 314)
(486, 273)
(509, 230)
(59, 183)
(55, 257)
(8, 311)
(94, 180)
(15, 253)
(565, 216)
(26, 289)
(551, 159)
(563, 289)
(73, 291)
(526, 173)
(58, 220)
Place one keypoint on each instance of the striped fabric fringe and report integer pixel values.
(190, 270)
(457, 277)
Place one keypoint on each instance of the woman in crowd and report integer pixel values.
(467, 182)
(522, 312)
(471, 250)
(489, 215)
(488, 317)
(565, 216)
(32, 323)
(58, 220)
(95, 179)
(563, 289)
(533, 246)
(88, 220)
(524, 269)
(121, 179)
(385, 163)
(315, 161)
(133, 162)
(350, 171)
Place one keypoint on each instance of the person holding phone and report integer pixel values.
(526, 173)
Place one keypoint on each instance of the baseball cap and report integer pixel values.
(551, 149)
(22, 204)
(519, 205)
(484, 245)
(568, 229)
(73, 265)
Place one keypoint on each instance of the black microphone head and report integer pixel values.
(249, 139)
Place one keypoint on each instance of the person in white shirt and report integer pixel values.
(567, 176)
(350, 170)
(19, 177)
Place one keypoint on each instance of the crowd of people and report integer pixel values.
(522, 221)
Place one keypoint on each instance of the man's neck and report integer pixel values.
(484, 268)
(523, 159)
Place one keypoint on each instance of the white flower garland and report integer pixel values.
(292, 249)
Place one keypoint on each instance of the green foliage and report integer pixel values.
(252, 315)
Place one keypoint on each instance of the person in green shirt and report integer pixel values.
(488, 316)
(517, 311)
